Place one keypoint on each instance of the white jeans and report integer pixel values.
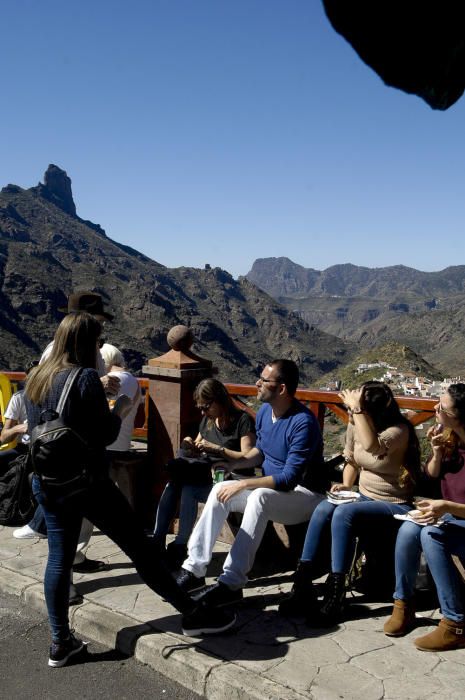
(258, 506)
(84, 537)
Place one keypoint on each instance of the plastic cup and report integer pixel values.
(219, 476)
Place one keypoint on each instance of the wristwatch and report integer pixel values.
(357, 410)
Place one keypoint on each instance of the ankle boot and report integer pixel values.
(447, 635)
(402, 619)
(333, 602)
(302, 598)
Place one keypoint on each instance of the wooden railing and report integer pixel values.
(319, 402)
(139, 433)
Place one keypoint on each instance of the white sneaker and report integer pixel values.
(27, 533)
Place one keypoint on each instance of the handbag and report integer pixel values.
(16, 502)
(187, 470)
(60, 457)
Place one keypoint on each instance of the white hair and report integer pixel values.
(112, 356)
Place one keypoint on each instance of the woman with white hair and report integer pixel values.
(115, 366)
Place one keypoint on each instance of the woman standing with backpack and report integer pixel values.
(88, 414)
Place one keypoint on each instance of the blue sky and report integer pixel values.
(214, 131)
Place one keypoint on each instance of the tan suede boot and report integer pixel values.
(402, 619)
(448, 635)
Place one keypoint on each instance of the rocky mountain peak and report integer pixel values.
(57, 189)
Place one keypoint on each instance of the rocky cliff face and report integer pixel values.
(281, 277)
(423, 310)
(47, 251)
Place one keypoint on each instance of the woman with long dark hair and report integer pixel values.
(87, 413)
(438, 540)
(225, 434)
(382, 451)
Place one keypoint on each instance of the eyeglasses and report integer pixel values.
(262, 380)
(204, 406)
(440, 409)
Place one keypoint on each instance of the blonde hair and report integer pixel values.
(74, 344)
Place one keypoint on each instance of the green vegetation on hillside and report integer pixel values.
(396, 355)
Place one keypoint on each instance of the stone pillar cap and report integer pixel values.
(180, 339)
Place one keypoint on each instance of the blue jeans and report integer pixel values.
(438, 544)
(107, 508)
(190, 496)
(346, 521)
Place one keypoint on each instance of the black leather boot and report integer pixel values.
(302, 599)
(333, 602)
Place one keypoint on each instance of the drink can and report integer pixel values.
(219, 476)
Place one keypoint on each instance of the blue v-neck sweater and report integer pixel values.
(292, 447)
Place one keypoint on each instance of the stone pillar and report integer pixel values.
(172, 413)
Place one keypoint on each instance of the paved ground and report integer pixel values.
(97, 673)
(265, 656)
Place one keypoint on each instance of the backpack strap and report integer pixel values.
(70, 379)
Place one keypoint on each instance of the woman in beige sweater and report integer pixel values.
(382, 451)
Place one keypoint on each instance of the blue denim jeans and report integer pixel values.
(190, 496)
(438, 544)
(107, 508)
(346, 521)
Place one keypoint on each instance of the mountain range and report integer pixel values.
(48, 251)
(422, 310)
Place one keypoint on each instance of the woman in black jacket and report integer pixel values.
(87, 412)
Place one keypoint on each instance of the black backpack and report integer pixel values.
(16, 503)
(60, 457)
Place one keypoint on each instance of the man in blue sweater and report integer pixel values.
(289, 449)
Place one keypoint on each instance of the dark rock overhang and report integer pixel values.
(416, 46)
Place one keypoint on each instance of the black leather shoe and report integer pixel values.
(206, 620)
(188, 582)
(89, 566)
(218, 595)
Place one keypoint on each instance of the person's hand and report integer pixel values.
(21, 428)
(210, 447)
(339, 487)
(434, 435)
(430, 510)
(111, 384)
(189, 447)
(122, 406)
(229, 489)
(352, 398)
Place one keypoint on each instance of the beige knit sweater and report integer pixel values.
(382, 474)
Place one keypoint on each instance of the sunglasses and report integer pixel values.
(440, 409)
(204, 406)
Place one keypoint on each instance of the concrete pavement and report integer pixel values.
(263, 657)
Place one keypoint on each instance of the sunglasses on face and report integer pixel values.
(441, 409)
(204, 406)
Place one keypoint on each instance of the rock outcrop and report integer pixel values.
(46, 252)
